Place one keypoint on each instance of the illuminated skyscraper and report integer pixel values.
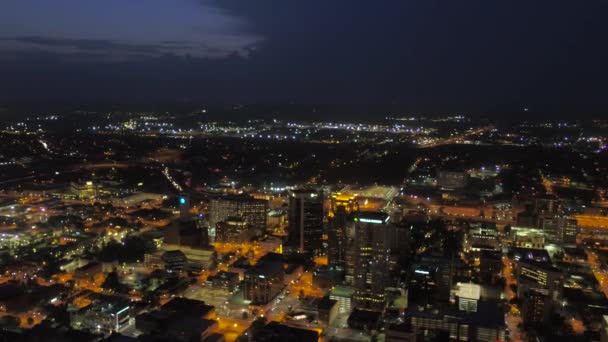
(186, 231)
(306, 220)
(184, 206)
(341, 208)
(373, 231)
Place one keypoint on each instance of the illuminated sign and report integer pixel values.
(375, 221)
(182, 200)
(370, 220)
(123, 310)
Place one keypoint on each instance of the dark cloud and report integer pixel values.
(97, 44)
(440, 56)
(122, 29)
(117, 50)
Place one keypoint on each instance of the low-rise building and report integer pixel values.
(103, 317)
(224, 280)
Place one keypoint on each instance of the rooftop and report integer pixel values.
(326, 303)
(342, 291)
(374, 191)
(278, 332)
(187, 306)
(488, 314)
(372, 217)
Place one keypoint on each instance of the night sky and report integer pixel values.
(486, 56)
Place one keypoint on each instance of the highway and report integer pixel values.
(457, 138)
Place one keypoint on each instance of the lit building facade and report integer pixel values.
(341, 208)
(536, 308)
(306, 220)
(523, 237)
(263, 282)
(233, 230)
(102, 317)
(249, 209)
(372, 252)
(540, 277)
(451, 180)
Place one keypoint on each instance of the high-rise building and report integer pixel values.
(186, 233)
(568, 229)
(528, 217)
(372, 251)
(232, 230)
(541, 277)
(306, 220)
(536, 307)
(174, 260)
(184, 206)
(341, 208)
(490, 265)
(468, 296)
(548, 206)
(251, 210)
(548, 215)
(543, 213)
(481, 236)
(264, 281)
(422, 286)
(431, 280)
(344, 296)
(397, 246)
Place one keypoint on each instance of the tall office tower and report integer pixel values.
(372, 251)
(540, 276)
(264, 280)
(422, 287)
(536, 308)
(186, 231)
(184, 206)
(306, 220)
(341, 208)
(568, 229)
(251, 210)
(350, 254)
(548, 206)
(550, 217)
(528, 217)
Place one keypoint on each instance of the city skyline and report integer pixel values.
(303, 171)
